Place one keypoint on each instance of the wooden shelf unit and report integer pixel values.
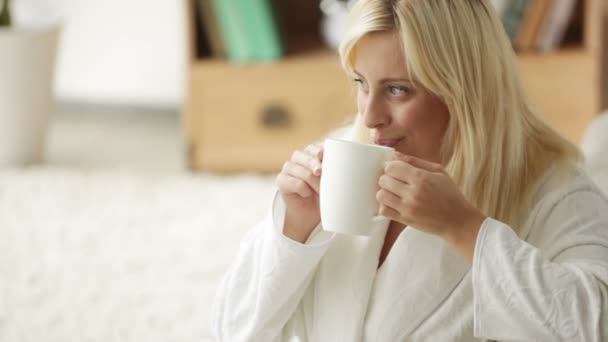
(230, 120)
(565, 85)
(252, 117)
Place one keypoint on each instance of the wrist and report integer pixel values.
(295, 233)
(297, 230)
(464, 236)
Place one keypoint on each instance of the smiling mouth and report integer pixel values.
(388, 142)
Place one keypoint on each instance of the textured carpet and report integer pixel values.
(114, 256)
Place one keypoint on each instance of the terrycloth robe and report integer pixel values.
(548, 282)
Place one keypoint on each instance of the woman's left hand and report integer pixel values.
(420, 194)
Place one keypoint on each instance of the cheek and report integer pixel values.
(414, 119)
(360, 101)
(428, 116)
(425, 127)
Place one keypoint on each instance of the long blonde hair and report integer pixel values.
(495, 148)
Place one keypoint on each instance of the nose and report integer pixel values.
(374, 112)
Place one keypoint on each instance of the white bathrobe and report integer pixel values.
(547, 283)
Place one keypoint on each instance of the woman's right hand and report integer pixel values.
(299, 183)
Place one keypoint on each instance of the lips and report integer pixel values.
(387, 142)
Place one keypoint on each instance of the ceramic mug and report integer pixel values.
(349, 183)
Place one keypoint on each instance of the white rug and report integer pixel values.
(120, 256)
(117, 256)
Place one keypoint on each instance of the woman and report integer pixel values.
(496, 234)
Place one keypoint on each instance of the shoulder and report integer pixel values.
(558, 186)
(567, 206)
(567, 186)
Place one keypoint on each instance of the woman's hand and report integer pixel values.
(298, 184)
(420, 194)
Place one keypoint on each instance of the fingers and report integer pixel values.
(291, 185)
(308, 160)
(301, 174)
(315, 150)
(419, 163)
(388, 199)
(412, 170)
(392, 185)
(389, 213)
(388, 202)
(402, 171)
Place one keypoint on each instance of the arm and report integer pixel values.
(263, 287)
(555, 290)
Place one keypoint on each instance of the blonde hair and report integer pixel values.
(495, 148)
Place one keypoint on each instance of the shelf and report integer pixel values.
(227, 115)
(302, 54)
(228, 104)
(561, 54)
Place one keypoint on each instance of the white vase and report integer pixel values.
(27, 66)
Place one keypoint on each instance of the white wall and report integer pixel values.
(126, 52)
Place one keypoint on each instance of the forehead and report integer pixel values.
(380, 53)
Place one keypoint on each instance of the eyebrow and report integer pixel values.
(387, 80)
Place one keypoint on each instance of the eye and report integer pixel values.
(398, 90)
(362, 84)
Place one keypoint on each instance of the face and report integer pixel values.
(400, 113)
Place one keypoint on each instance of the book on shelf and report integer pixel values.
(513, 17)
(249, 30)
(555, 24)
(206, 13)
(533, 19)
(537, 24)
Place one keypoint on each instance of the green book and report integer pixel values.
(265, 34)
(249, 30)
(514, 16)
(233, 30)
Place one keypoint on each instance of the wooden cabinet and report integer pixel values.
(251, 117)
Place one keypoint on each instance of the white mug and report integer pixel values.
(349, 183)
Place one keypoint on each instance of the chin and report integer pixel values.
(403, 147)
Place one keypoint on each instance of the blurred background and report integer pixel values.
(139, 141)
(129, 53)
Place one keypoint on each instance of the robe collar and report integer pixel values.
(351, 294)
